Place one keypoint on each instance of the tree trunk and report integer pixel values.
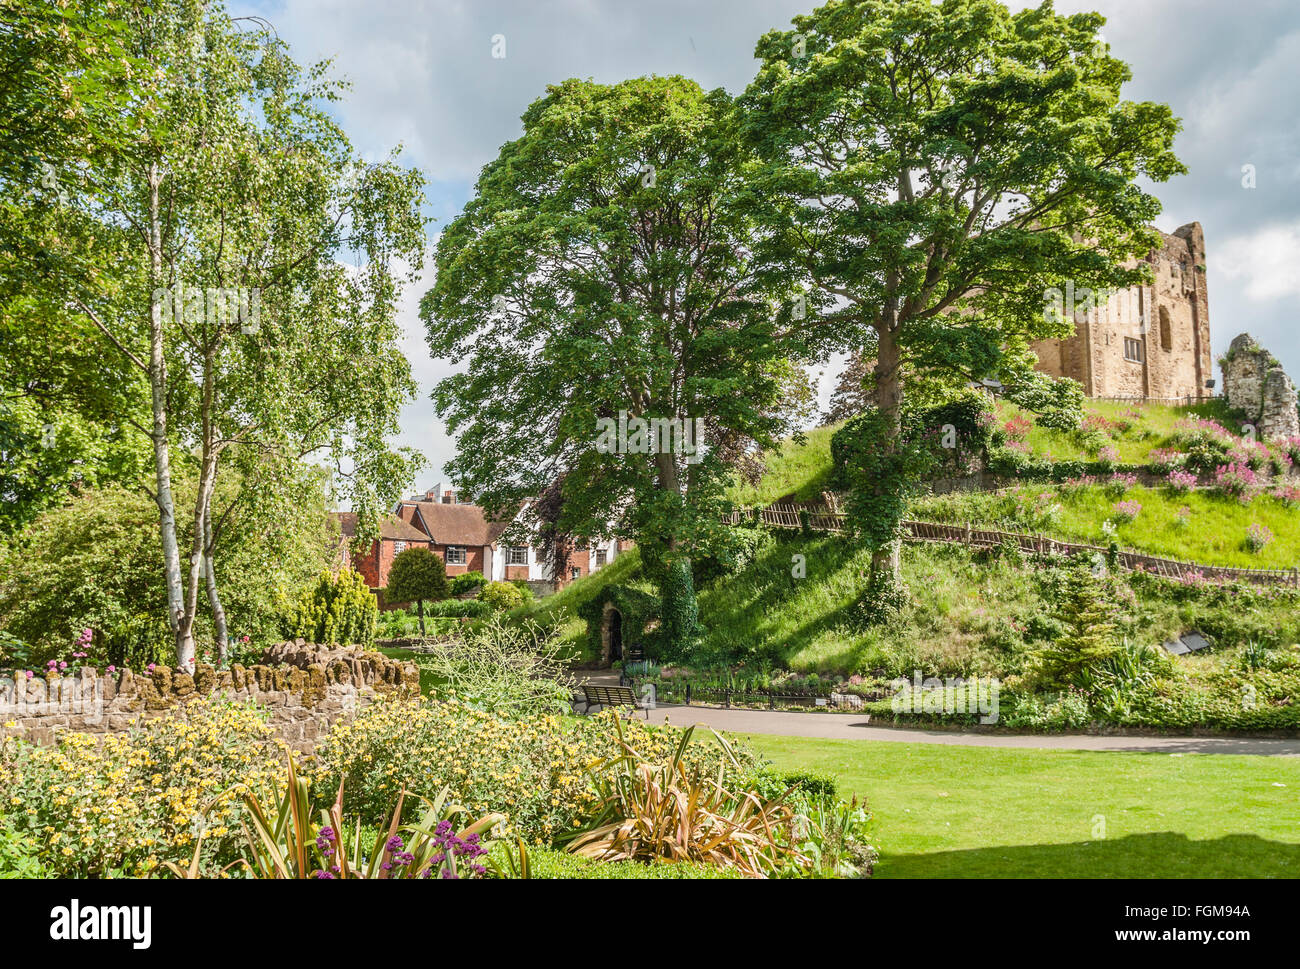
(419, 607)
(889, 399)
(676, 590)
(182, 631)
(214, 598)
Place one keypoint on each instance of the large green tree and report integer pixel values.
(603, 269)
(937, 169)
(243, 266)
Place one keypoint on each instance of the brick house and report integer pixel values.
(469, 542)
(395, 535)
(459, 533)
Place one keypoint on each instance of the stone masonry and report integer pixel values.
(1149, 342)
(305, 687)
(1255, 384)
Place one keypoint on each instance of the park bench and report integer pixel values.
(612, 696)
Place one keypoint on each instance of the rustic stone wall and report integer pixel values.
(1255, 384)
(305, 687)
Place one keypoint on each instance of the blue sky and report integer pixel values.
(423, 74)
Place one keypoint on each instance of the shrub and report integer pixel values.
(532, 771)
(663, 809)
(460, 609)
(833, 834)
(1165, 460)
(339, 610)
(1237, 480)
(1288, 495)
(1127, 511)
(1180, 482)
(128, 803)
(467, 582)
(1087, 607)
(502, 595)
(283, 841)
(1120, 483)
(19, 856)
(882, 599)
(1058, 402)
(1257, 537)
(502, 667)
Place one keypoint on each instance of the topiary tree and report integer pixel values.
(416, 575)
(339, 610)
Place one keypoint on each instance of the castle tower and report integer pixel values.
(1150, 342)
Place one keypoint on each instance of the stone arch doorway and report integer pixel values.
(611, 634)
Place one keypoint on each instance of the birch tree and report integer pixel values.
(256, 268)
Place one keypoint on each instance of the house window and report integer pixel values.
(399, 548)
(1132, 350)
(517, 555)
(574, 572)
(600, 557)
(455, 555)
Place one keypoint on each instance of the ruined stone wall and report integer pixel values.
(1168, 320)
(305, 687)
(1255, 384)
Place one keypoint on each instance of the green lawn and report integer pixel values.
(798, 468)
(983, 812)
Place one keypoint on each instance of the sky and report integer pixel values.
(423, 74)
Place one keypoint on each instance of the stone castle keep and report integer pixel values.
(1150, 342)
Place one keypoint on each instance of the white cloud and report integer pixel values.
(1266, 263)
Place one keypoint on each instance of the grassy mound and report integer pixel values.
(1199, 526)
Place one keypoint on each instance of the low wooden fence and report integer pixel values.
(821, 518)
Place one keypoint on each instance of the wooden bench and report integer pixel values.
(612, 696)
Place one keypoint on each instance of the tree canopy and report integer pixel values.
(603, 272)
(934, 169)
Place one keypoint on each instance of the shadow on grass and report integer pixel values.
(1162, 855)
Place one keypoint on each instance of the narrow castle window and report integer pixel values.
(1166, 330)
(1132, 350)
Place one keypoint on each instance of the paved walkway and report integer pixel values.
(851, 726)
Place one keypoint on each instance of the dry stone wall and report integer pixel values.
(304, 686)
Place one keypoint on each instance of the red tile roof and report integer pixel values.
(454, 524)
(390, 527)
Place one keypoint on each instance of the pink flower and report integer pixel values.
(30, 674)
(112, 669)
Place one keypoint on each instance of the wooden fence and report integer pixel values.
(821, 518)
